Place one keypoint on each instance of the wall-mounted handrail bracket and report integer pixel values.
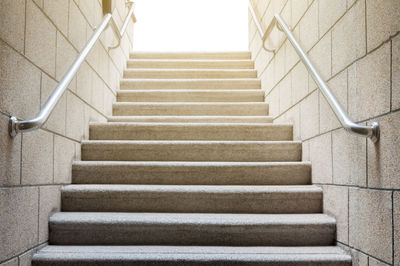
(369, 131)
(15, 125)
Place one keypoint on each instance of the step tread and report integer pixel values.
(197, 219)
(185, 254)
(194, 119)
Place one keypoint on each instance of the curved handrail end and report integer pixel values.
(12, 126)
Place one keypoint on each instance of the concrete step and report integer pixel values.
(191, 109)
(189, 73)
(192, 199)
(190, 84)
(116, 228)
(192, 173)
(192, 119)
(190, 256)
(190, 64)
(189, 131)
(220, 151)
(192, 55)
(190, 96)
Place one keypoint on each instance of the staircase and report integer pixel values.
(190, 170)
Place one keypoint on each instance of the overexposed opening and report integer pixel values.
(191, 25)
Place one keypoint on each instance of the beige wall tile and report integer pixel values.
(338, 86)
(320, 56)
(348, 43)
(109, 99)
(383, 157)
(20, 84)
(328, 13)
(396, 217)
(76, 26)
(56, 120)
(293, 116)
(50, 202)
(262, 60)
(309, 115)
(84, 82)
(64, 152)
(358, 258)
(371, 222)
(396, 73)
(299, 7)
(273, 101)
(66, 54)
(25, 259)
(75, 124)
(306, 151)
(19, 222)
(57, 10)
(336, 204)
(383, 21)
(374, 262)
(39, 3)
(267, 78)
(299, 82)
(321, 159)
(349, 158)
(88, 8)
(12, 23)
(10, 155)
(40, 41)
(37, 158)
(97, 98)
(308, 29)
(279, 65)
(285, 94)
(291, 57)
(369, 85)
(350, 3)
(12, 262)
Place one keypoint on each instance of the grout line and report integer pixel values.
(391, 75)
(393, 229)
(366, 162)
(24, 48)
(20, 162)
(38, 216)
(54, 147)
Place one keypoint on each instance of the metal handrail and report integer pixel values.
(15, 125)
(369, 131)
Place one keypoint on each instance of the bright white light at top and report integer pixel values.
(191, 25)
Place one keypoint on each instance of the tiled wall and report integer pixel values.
(39, 39)
(355, 44)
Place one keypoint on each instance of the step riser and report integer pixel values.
(209, 56)
(242, 109)
(136, 233)
(186, 74)
(165, 64)
(190, 174)
(143, 84)
(190, 96)
(192, 119)
(107, 201)
(125, 131)
(219, 152)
